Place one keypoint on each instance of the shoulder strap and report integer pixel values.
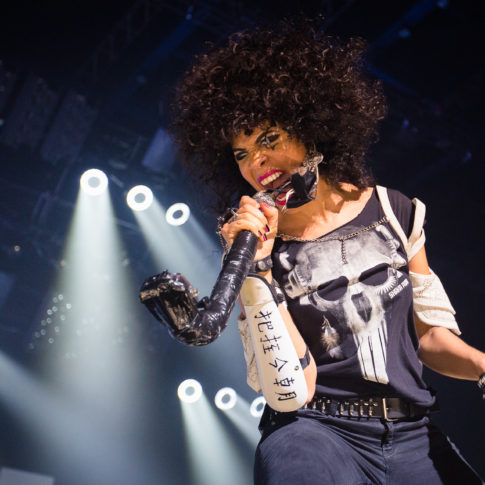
(419, 212)
(417, 238)
(386, 207)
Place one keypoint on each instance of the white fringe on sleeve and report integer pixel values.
(431, 303)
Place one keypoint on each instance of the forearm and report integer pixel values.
(300, 346)
(444, 352)
(278, 348)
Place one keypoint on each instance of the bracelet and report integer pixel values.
(226, 217)
(305, 360)
(481, 384)
(262, 265)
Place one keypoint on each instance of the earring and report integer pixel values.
(312, 160)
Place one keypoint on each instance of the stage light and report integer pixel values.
(94, 182)
(177, 214)
(257, 407)
(225, 398)
(139, 198)
(189, 391)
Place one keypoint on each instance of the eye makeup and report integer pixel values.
(267, 139)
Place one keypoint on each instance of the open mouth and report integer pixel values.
(277, 183)
(274, 179)
(281, 191)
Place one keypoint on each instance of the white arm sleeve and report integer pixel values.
(431, 303)
(280, 374)
(252, 375)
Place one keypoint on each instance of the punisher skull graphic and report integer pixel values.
(352, 288)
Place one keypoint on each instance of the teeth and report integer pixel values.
(269, 179)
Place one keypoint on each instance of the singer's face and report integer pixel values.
(268, 156)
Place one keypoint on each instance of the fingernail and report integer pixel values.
(267, 228)
(264, 237)
(265, 204)
(260, 234)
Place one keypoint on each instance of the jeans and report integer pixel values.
(309, 447)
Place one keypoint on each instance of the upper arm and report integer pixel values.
(419, 263)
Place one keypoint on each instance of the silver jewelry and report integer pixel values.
(262, 265)
(342, 239)
(230, 215)
(332, 238)
(481, 384)
(312, 160)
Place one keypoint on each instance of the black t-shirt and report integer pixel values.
(350, 297)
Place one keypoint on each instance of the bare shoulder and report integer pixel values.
(354, 197)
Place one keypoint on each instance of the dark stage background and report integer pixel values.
(89, 85)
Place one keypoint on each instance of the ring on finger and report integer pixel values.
(235, 216)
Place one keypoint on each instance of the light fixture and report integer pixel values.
(139, 198)
(94, 181)
(225, 398)
(257, 407)
(177, 214)
(189, 391)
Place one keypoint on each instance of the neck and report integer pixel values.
(312, 218)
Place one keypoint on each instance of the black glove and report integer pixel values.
(172, 300)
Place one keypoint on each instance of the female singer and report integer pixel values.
(340, 308)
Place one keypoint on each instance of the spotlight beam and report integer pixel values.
(213, 457)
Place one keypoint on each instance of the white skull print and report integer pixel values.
(364, 266)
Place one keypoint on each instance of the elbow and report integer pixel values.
(431, 338)
(286, 401)
(286, 405)
(425, 336)
(426, 344)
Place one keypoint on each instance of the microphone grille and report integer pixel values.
(264, 196)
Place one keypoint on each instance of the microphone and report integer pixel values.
(172, 300)
(264, 196)
(248, 239)
(246, 242)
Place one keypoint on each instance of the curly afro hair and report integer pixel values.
(313, 85)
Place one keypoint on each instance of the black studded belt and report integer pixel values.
(387, 408)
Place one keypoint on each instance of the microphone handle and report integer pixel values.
(172, 300)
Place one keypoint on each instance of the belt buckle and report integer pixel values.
(384, 409)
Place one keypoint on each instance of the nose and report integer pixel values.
(259, 158)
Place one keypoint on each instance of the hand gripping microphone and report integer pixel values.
(172, 300)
